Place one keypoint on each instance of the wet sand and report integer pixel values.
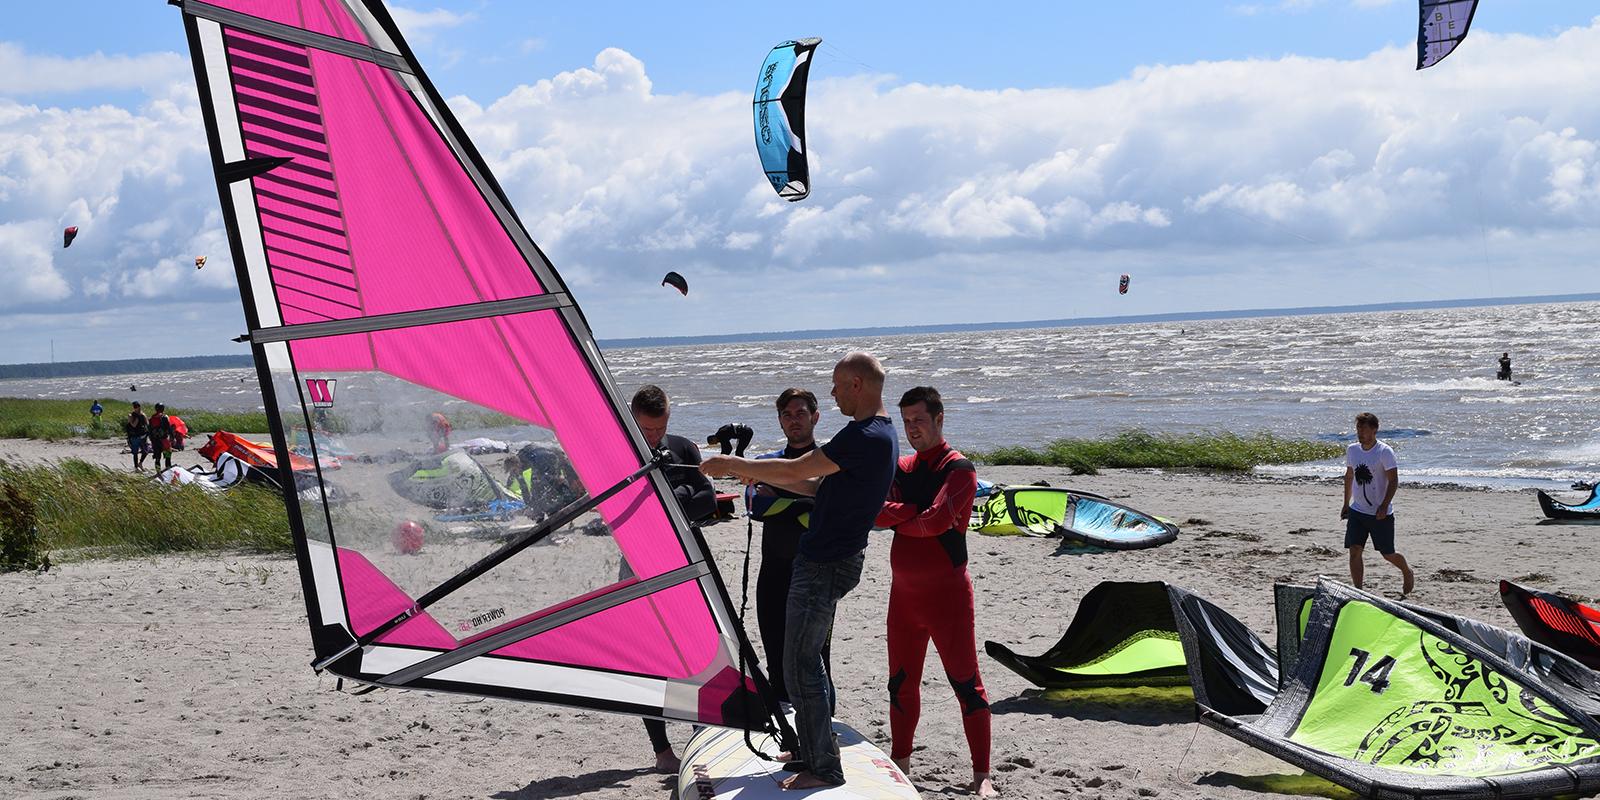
(188, 676)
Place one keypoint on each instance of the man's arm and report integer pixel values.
(696, 496)
(1349, 473)
(794, 474)
(894, 511)
(951, 507)
(1393, 474)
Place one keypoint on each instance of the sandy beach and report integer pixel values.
(188, 676)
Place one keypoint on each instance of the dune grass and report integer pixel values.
(81, 510)
(1134, 448)
(54, 420)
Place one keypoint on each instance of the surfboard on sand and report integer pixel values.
(717, 764)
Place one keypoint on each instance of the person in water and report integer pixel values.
(784, 516)
(1505, 367)
(930, 593)
(1371, 477)
(696, 497)
(850, 477)
(137, 427)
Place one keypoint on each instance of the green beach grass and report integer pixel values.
(1134, 448)
(54, 420)
(81, 510)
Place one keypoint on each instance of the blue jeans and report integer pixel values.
(814, 594)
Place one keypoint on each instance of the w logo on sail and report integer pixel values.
(321, 391)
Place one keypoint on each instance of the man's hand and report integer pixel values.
(1380, 514)
(719, 466)
(1344, 513)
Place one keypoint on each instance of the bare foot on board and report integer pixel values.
(805, 780)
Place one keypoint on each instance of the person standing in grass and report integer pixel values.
(95, 411)
(161, 435)
(1371, 477)
(138, 428)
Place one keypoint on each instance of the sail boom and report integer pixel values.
(405, 319)
(540, 624)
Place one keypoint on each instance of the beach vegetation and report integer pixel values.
(1135, 448)
(81, 510)
(55, 420)
(20, 545)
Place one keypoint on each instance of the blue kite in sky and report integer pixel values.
(780, 115)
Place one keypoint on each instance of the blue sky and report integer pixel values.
(992, 164)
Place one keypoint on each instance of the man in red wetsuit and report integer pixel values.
(930, 597)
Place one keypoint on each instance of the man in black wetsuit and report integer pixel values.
(696, 497)
(1505, 367)
(784, 516)
(733, 437)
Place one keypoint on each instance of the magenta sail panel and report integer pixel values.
(374, 213)
(369, 240)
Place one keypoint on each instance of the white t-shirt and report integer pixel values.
(1371, 480)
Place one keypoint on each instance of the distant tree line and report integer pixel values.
(132, 366)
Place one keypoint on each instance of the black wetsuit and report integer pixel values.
(698, 499)
(1505, 368)
(733, 438)
(784, 518)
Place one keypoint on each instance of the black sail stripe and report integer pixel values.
(302, 223)
(310, 277)
(281, 109)
(332, 212)
(244, 64)
(303, 240)
(289, 147)
(308, 134)
(297, 166)
(283, 288)
(275, 89)
(319, 262)
(260, 48)
(283, 180)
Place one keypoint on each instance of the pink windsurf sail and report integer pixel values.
(499, 527)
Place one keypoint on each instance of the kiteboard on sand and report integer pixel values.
(718, 764)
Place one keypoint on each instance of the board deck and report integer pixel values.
(717, 764)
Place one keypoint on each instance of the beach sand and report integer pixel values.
(188, 676)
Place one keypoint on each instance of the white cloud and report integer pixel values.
(26, 268)
(23, 73)
(420, 26)
(1223, 184)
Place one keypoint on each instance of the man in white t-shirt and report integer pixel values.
(1370, 479)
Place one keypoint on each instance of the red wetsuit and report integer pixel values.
(931, 594)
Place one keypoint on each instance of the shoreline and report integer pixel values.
(112, 453)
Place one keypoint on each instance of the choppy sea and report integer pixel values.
(1428, 374)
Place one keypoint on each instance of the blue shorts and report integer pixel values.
(1359, 526)
(138, 445)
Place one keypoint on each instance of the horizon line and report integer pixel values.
(954, 327)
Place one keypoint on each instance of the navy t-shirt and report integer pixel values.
(849, 500)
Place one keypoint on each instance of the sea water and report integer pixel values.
(1428, 374)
